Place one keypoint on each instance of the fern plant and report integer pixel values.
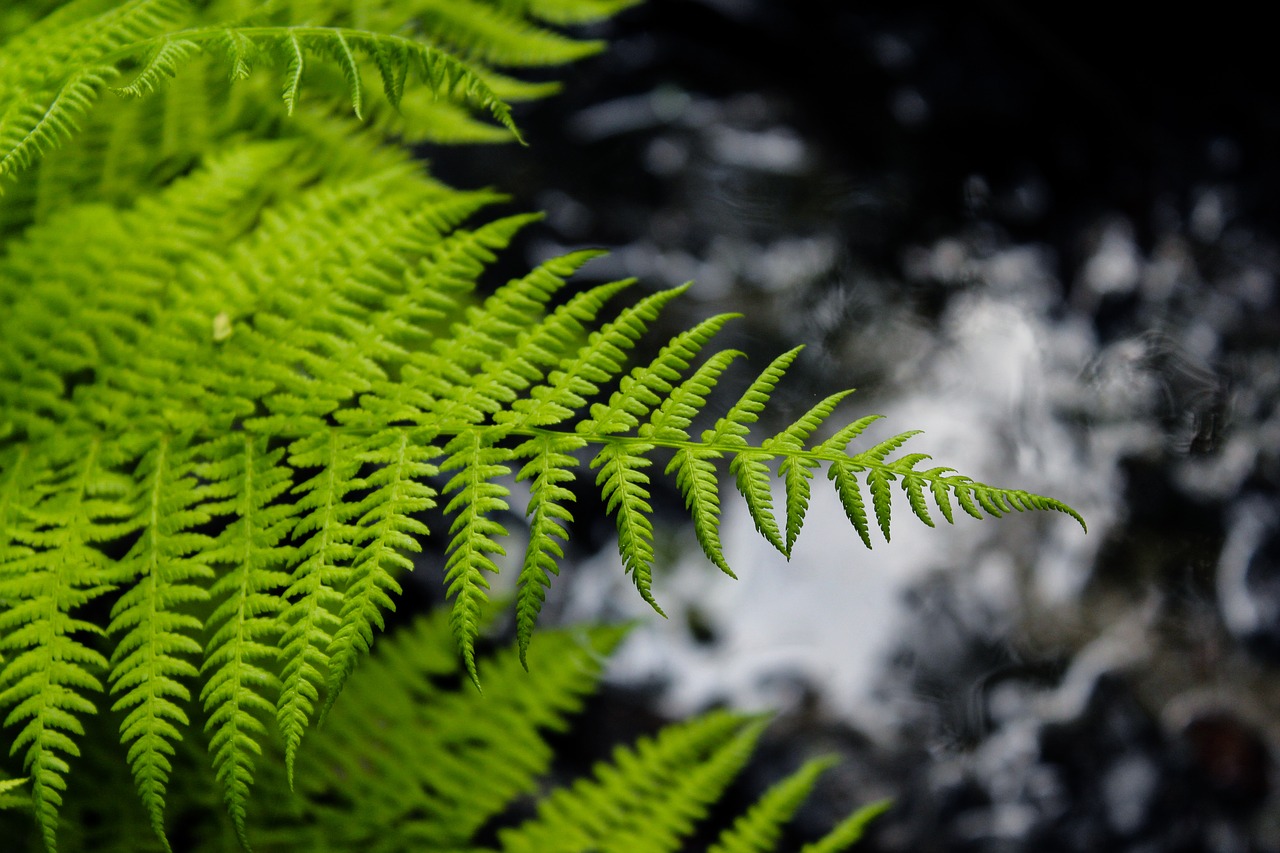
(245, 356)
(415, 759)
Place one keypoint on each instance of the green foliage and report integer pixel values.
(245, 362)
(416, 759)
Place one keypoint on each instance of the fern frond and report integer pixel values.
(295, 62)
(936, 480)
(387, 528)
(648, 798)
(314, 594)
(878, 453)
(914, 484)
(758, 830)
(19, 474)
(478, 31)
(475, 498)
(845, 477)
(8, 799)
(837, 443)
(394, 56)
(796, 469)
(670, 422)
(29, 129)
(878, 480)
(880, 476)
(160, 66)
(696, 478)
(240, 678)
(540, 348)
(248, 353)
(647, 387)
(624, 485)
(849, 831)
(754, 482)
(581, 375)
(55, 71)
(564, 12)
(107, 330)
(734, 426)
(47, 668)
(940, 483)
(162, 573)
(430, 765)
(496, 326)
(550, 465)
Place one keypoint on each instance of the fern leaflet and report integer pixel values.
(388, 528)
(163, 572)
(758, 830)
(550, 465)
(243, 628)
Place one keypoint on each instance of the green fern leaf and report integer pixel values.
(670, 423)
(18, 473)
(796, 473)
(647, 387)
(393, 67)
(243, 628)
(54, 71)
(849, 831)
(964, 497)
(339, 50)
(8, 799)
(565, 12)
(389, 528)
(161, 66)
(796, 469)
(295, 63)
(404, 756)
(475, 498)
(481, 366)
(913, 484)
(30, 129)
(837, 443)
(328, 543)
(480, 32)
(149, 663)
(759, 829)
(580, 376)
(876, 455)
(232, 360)
(845, 477)
(648, 799)
(878, 480)
(938, 487)
(515, 318)
(696, 477)
(550, 465)
(754, 482)
(47, 669)
(624, 486)
(465, 398)
(734, 426)
(241, 53)
(793, 438)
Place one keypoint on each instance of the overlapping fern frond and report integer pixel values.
(244, 363)
(416, 761)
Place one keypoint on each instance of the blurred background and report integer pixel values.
(1046, 235)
